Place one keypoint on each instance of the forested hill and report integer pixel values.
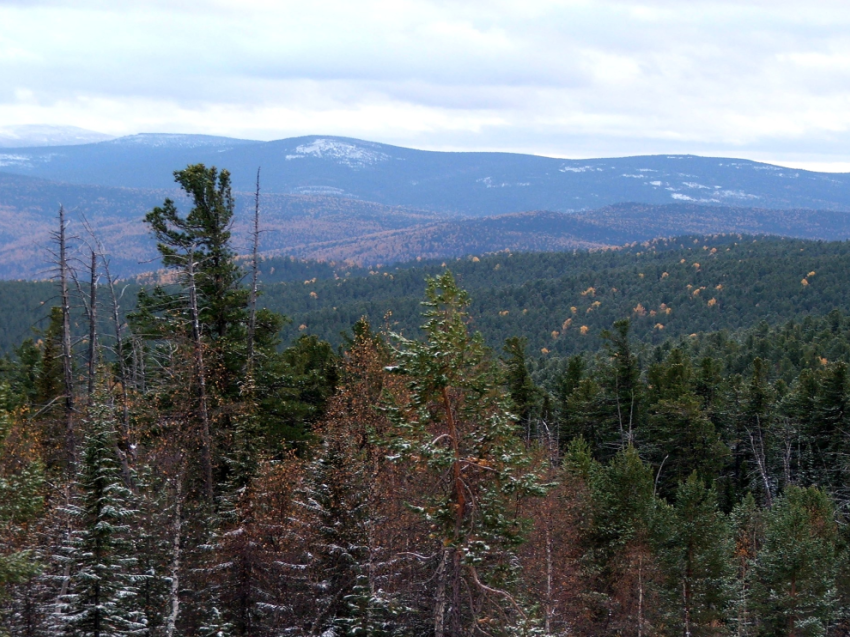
(667, 287)
(561, 301)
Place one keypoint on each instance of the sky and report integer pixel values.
(765, 80)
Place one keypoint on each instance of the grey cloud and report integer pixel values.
(657, 74)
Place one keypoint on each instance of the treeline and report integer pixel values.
(188, 476)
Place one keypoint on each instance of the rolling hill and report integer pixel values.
(323, 227)
(461, 183)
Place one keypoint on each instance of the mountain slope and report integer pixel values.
(332, 228)
(476, 184)
(556, 232)
(28, 208)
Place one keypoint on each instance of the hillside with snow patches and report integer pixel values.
(457, 183)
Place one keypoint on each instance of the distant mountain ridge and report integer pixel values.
(545, 231)
(461, 183)
(341, 229)
(34, 135)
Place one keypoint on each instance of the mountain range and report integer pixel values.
(344, 199)
(460, 183)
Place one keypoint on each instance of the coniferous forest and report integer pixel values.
(171, 466)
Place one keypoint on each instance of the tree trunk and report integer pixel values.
(92, 325)
(440, 605)
(126, 443)
(255, 270)
(176, 550)
(67, 361)
(200, 371)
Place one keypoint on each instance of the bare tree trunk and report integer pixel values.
(92, 324)
(440, 605)
(255, 270)
(176, 551)
(640, 596)
(67, 361)
(122, 364)
(460, 511)
(200, 370)
(761, 462)
(550, 606)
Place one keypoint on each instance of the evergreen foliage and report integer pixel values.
(627, 480)
(456, 427)
(103, 586)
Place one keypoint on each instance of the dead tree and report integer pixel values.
(92, 324)
(255, 270)
(200, 371)
(125, 444)
(67, 361)
(90, 307)
(119, 353)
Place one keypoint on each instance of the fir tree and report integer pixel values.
(521, 388)
(101, 599)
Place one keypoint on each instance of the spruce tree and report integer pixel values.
(523, 392)
(336, 501)
(101, 599)
(21, 503)
(622, 382)
(747, 522)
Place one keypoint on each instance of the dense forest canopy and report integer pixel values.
(645, 441)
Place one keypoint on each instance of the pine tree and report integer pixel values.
(796, 568)
(696, 552)
(101, 599)
(456, 427)
(204, 235)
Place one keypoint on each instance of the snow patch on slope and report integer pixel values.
(344, 153)
(489, 183)
(579, 169)
(25, 161)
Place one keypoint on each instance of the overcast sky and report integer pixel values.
(766, 80)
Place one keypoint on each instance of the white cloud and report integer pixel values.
(762, 79)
